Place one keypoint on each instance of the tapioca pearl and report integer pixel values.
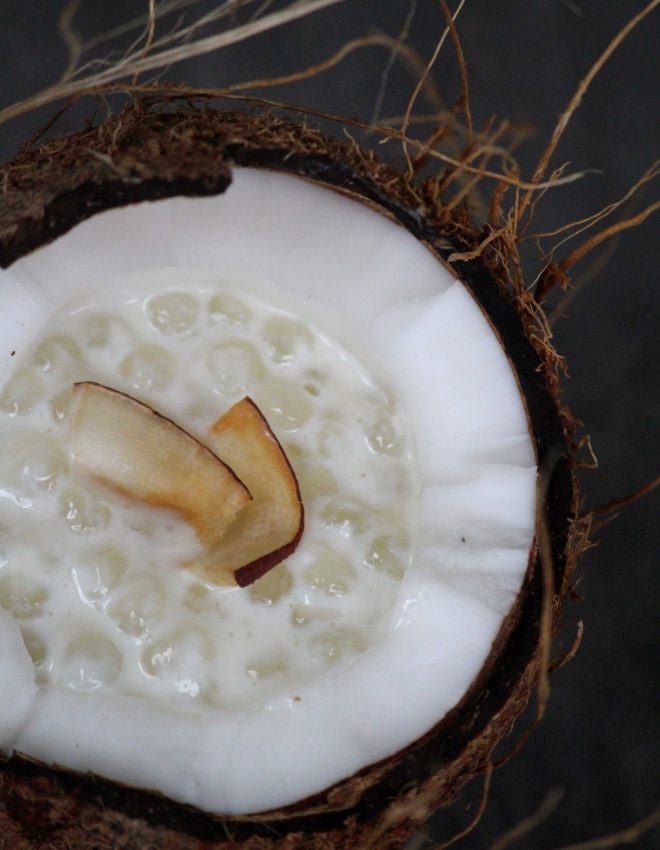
(173, 313)
(267, 668)
(385, 436)
(330, 572)
(179, 659)
(272, 586)
(388, 554)
(333, 440)
(315, 381)
(139, 605)
(285, 338)
(234, 367)
(197, 598)
(89, 661)
(98, 572)
(296, 454)
(148, 367)
(58, 355)
(392, 477)
(82, 511)
(61, 404)
(35, 645)
(227, 308)
(202, 413)
(337, 643)
(303, 615)
(210, 693)
(286, 405)
(22, 392)
(315, 482)
(348, 517)
(22, 596)
(312, 388)
(107, 334)
(36, 463)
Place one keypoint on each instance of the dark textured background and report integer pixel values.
(600, 740)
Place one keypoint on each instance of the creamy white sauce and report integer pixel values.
(97, 581)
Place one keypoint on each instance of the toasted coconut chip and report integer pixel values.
(269, 529)
(141, 454)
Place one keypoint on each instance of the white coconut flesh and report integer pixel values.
(403, 421)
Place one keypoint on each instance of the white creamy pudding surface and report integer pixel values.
(403, 422)
(97, 580)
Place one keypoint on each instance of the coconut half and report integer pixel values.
(357, 750)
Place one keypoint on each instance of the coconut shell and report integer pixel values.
(148, 154)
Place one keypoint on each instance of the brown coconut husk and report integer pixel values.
(148, 153)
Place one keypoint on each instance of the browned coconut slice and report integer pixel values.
(270, 527)
(143, 455)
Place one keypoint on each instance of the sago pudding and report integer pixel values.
(96, 579)
(403, 422)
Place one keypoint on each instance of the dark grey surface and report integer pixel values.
(600, 740)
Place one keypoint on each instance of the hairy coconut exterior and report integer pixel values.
(146, 154)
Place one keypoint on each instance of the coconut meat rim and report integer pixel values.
(386, 298)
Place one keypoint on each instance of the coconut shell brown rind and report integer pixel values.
(146, 154)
